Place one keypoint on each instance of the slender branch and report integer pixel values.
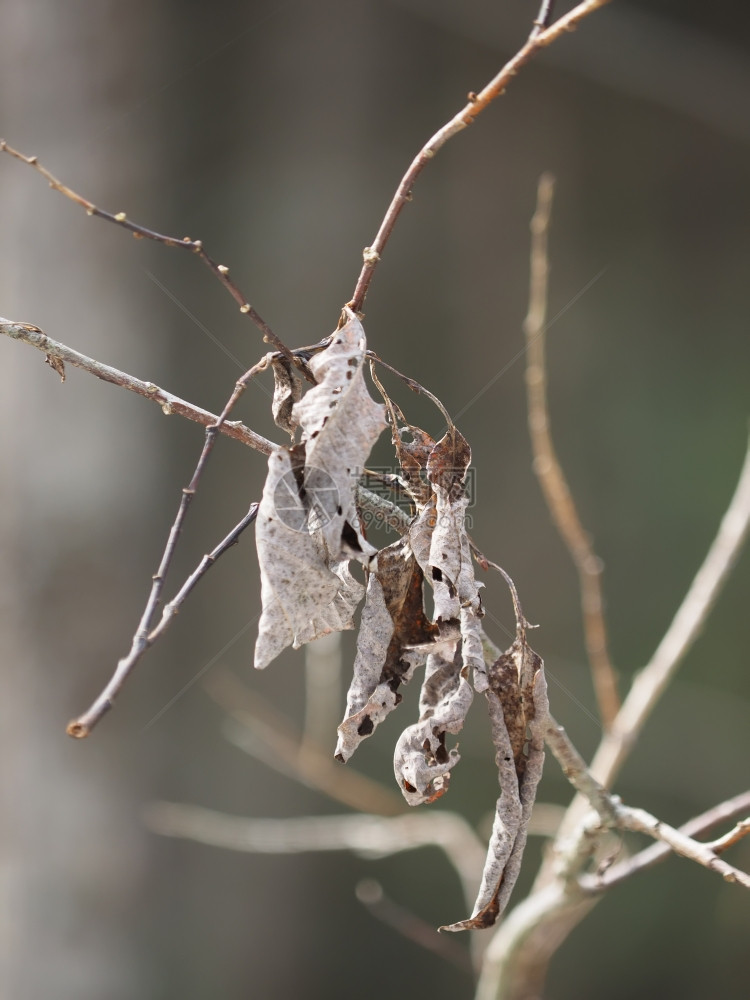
(173, 607)
(169, 403)
(144, 639)
(549, 472)
(371, 895)
(651, 682)
(641, 821)
(267, 735)
(477, 103)
(575, 770)
(82, 726)
(370, 836)
(651, 856)
(194, 246)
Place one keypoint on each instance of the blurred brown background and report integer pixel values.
(276, 132)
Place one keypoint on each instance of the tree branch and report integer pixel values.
(369, 836)
(142, 640)
(538, 39)
(169, 403)
(194, 246)
(549, 472)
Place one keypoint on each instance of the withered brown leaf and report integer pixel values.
(518, 707)
(287, 390)
(393, 622)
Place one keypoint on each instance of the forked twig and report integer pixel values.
(549, 472)
(194, 246)
(540, 37)
(651, 856)
(143, 638)
(82, 726)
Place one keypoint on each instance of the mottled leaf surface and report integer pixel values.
(393, 624)
(303, 594)
(340, 423)
(518, 708)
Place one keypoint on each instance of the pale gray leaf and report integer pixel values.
(302, 596)
(421, 762)
(340, 423)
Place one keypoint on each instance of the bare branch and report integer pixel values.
(549, 472)
(144, 639)
(477, 103)
(259, 730)
(370, 836)
(169, 403)
(575, 770)
(82, 726)
(651, 856)
(641, 821)
(370, 893)
(650, 683)
(194, 246)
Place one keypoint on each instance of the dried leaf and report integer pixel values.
(287, 391)
(57, 364)
(340, 423)
(393, 624)
(438, 537)
(421, 762)
(517, 701)
(304, 593)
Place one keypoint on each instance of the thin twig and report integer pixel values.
(697, 826)
(412, 384)
(477, 103)
(615, 814)
(640, 821)
(651, 682)
(371, 895)
(371, 836)
(173, 607)
(549, 472)
(169, 403)
(261, 731)
(194, 246)
(144, 639)
(82, 726)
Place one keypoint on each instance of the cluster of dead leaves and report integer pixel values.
(308, 530)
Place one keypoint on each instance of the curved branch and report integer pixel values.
(537, 40)
(549, 472)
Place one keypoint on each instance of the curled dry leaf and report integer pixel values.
(517, 702)
(340, 423)
(393, 624)
(421, 762)
(441, 544)
(56, 364)
(304, 595)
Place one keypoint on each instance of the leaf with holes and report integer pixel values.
(393, 624)
(304, 594)
(517, 702)
(340, 423)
